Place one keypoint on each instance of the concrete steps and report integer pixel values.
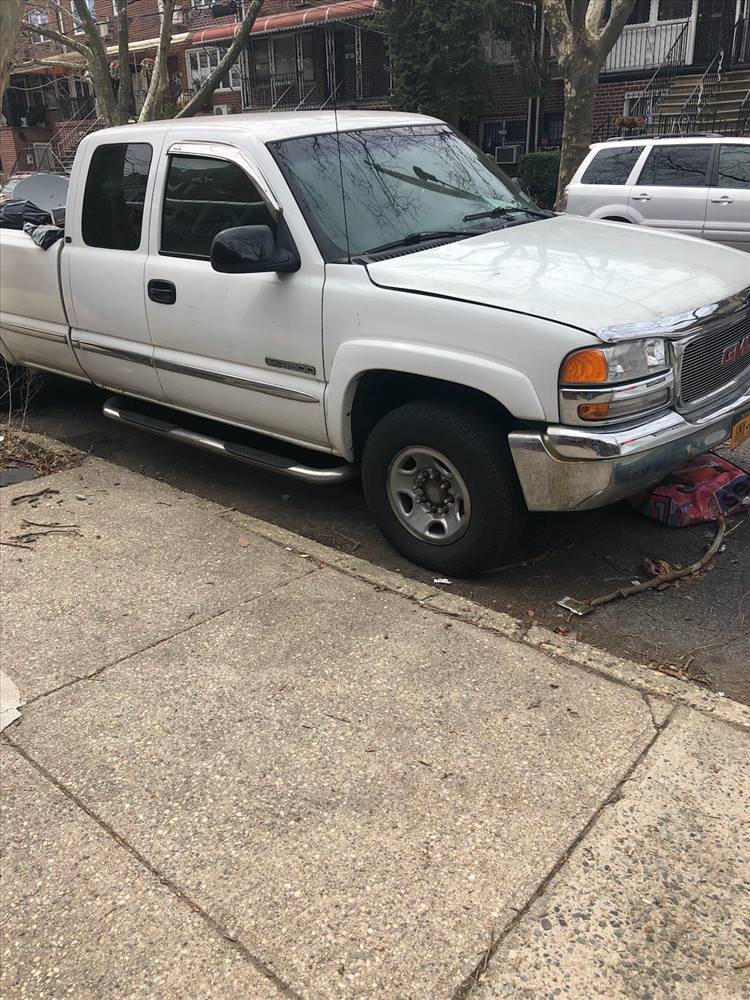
(723, 105)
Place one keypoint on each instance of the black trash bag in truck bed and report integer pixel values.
(43, 236)
(14, 214)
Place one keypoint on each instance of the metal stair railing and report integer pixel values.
(661, 80)
(696, 106)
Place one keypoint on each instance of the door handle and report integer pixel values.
(724, 200)
(163, 292)
(641, 197)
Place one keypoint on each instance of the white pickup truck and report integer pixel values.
(369, 293)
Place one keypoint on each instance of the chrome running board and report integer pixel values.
(118, 409)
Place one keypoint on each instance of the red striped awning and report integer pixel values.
(51, 70)
(284, 22)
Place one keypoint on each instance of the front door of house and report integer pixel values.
(713, 30)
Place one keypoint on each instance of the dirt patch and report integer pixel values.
(23, 457)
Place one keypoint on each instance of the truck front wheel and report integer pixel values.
(441, 486)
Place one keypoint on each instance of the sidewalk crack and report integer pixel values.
(466, 988)
(167, 638)
(217, 928)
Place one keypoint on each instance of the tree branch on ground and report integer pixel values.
(582, 35)
(209, 85)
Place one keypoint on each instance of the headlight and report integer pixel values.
(619, 382)
(624, 362)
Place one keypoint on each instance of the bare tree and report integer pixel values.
(11, 13)
(112, 107)
(157, 87)
(230, 57)
(583, 36)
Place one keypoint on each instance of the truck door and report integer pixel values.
(104, 263)
(671, 191)
(245, 348)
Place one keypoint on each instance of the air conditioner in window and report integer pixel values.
(221, 109)
(509, 153)
(104, 29)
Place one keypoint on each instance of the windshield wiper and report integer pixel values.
(421, 237)
(502, 211)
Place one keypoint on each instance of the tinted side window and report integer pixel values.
(115, 194)
(676, 166)
(734, 167)
(204, 196)
(612, 165)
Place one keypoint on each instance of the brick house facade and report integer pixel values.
(306, 54)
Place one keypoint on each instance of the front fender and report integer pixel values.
(354, 358)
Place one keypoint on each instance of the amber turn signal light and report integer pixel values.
(588, 367)
(593, 411)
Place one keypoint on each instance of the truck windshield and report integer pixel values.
(401, 186)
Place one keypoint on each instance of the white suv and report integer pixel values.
(699, 186)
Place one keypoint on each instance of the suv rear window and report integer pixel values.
(734, 166)
(611, 165)
(677, 166)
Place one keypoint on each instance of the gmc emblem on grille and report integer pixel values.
(735, 351)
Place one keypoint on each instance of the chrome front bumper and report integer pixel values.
(577, 468)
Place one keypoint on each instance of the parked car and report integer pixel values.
(699, 186)
(366, 291)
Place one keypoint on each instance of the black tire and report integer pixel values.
(18, 387)
(479, 450)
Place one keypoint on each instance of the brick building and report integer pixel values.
(306, 54)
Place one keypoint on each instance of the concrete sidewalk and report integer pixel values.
(249, 766)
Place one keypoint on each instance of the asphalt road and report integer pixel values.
(702, 625)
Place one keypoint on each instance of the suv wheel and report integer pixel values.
(441, 486)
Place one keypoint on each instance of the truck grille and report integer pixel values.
(705, 366)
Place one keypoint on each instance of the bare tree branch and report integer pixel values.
(594, 16)
(157, 87)
(578, 11)
(55, 36)
(11, 14)
(621, 11)
(230, 58)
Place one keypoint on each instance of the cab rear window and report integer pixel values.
(611, 165)
(115, 195)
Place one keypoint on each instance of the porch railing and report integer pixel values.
(291, 92)
(701, 101)
(645, 105)
(645, 46)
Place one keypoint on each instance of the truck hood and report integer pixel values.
(584, 273)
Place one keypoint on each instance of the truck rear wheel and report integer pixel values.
(441, 485)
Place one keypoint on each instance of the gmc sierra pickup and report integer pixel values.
(370, 294)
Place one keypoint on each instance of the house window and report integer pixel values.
(77, 24)
(551, 137)
(287, 53)
(674, 10)
(641, 12)
(202, 3)
(202, 62)
(41, 18)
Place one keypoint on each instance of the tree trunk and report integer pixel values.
(157, 87)
(580, 92)
(11, 12)
(125, 90)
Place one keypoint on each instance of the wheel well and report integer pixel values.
(379, 392)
